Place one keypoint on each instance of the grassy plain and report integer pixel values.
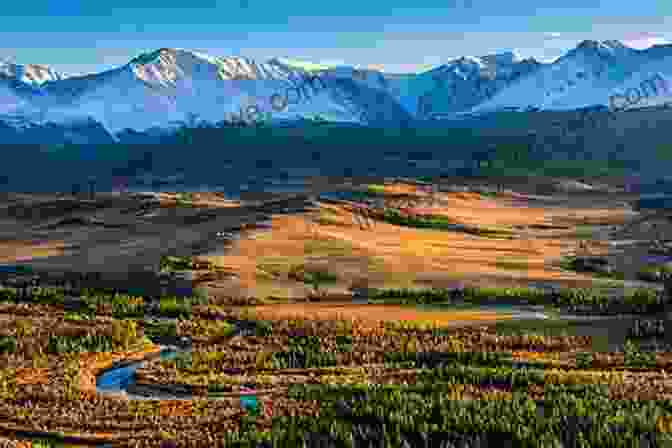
(293, 283)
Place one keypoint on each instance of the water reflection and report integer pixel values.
(118, 379)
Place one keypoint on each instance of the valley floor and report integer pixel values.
(255, 262)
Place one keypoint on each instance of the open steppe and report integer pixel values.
(264, 320)
(522, 241)
(124, 233)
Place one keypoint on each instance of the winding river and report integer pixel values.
(121, 376)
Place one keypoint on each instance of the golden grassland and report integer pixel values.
(62, 386)
(393, 256)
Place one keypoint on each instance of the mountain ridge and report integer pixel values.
(162, 88)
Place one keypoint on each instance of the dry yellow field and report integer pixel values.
(371, 313)
(394, 256)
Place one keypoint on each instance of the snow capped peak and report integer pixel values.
(163, 86)
(167, 66)
(469, 60)
(507, 57)
(613, 43)
(588, 44)
(29, 74)
(488, 63)
(153, 56)
(489, 66)
(465, 82)
(205, 57)
(298, 64)
(157, 67)
(604, 44)
(605, 47)
(171, 56)
(278, 61)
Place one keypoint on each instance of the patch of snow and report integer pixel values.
(167, 86)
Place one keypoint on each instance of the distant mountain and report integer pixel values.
(28, 74)
(466, 82)
(588, 75)
(160, 91)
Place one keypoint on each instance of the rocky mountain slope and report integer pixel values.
(168, 88)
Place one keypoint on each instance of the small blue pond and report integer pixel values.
(116, 380)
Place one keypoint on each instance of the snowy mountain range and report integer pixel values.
(167, 88)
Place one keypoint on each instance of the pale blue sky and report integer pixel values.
(81, 36)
